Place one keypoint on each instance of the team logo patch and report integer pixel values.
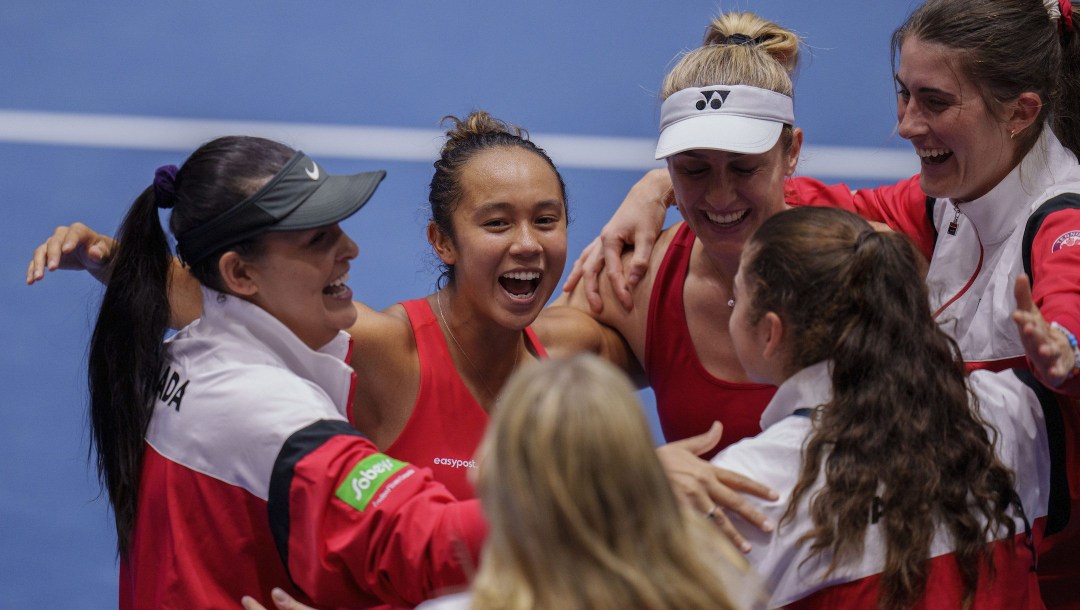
(1070, 238)
(367, 479)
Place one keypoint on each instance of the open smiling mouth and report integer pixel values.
(520, 284)
(337, 288)
(728, 219)
(934, 156)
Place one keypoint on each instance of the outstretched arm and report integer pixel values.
(80, 248)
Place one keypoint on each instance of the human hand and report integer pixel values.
(1052, 357)
(282, 600)
(637, 223)
(72, 247)
(711, 490)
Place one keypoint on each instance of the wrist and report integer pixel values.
(1074, 347)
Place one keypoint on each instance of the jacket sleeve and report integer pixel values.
(1055, 265)
(901, 206)
(354, 526)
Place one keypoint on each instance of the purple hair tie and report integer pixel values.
(165, 186)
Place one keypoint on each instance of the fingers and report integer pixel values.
(730, 500)
(70, 247)
(744, 484)
(591, 267)
(1022, 292)
(727, 528)
(574, 277)
(282, 601)
(639, 261)
(701, 443)
(48, 255)
(613, 267)
(249, 603)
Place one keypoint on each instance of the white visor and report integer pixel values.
(736, 118)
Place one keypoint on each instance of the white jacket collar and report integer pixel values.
(809, 388)
(234, 318)
(996, 214)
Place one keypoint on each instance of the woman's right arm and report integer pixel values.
(79, 247)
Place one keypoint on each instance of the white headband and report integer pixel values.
(736, 118)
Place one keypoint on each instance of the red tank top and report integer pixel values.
(447, 423)
(688, 397)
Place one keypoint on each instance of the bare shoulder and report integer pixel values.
(614, 314)
(387, 369)
(383, 344)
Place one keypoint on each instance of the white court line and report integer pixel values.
(398, 143)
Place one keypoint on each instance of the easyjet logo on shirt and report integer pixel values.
(367, 478)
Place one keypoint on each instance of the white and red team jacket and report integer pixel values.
(1028, 223)
(253, 479)
(772, 458)
(973, 267)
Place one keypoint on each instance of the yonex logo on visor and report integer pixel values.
(712, 102)
(736, 118)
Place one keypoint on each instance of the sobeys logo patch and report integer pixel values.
(366, 478)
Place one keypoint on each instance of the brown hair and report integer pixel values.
(1007, 47)
(901, 424)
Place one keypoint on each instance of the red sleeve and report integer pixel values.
(355, 526)
(1055, 270)
(901, 206)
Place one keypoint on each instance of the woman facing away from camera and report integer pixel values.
(226, 453)
(905, 482)
(986, 94)
(580, 511)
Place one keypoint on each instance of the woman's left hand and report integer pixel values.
(282, 600)
(1052, 358)
(711, 490)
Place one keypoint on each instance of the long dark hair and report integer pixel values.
(902, 425)
(126, 351)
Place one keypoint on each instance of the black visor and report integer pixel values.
(301, 196)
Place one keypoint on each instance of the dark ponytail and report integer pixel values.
(126, 350)
(900, 429)
(126, 357)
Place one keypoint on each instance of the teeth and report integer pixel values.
(341, 280)
(726, 219)
(926, 153)
(522, 275)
